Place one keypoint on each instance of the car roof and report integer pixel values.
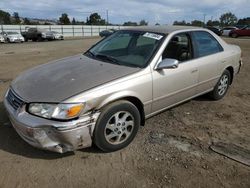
(161, 29)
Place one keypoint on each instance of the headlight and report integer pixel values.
(56, 111)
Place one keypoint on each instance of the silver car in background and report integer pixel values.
(57, 35)
(12, 36)
(226, 30)
(105, 94)
(2, 38)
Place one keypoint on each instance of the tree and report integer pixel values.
(4, 17)
(143, 22)
(95, 19)
(73, 21)
(213, 23)
(228, 19)
(183, 22)
(64, 19)
(16, 19)
(26, 21)
(244, 21)
(197, 23)
(129, 23)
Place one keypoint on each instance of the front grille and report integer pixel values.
(14, 100)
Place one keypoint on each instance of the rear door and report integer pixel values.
(209, 53)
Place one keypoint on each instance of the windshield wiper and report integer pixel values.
(107, 58)
(89, 53)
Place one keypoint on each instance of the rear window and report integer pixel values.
(206, 44)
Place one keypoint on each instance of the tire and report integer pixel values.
(8, 40)
(39, 39)
(222, 86)
(234, 35)
(117, 126)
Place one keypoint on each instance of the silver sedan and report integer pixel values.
(105, 94)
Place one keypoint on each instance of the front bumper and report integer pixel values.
(52, 135)
(16, 39)
(58, 37)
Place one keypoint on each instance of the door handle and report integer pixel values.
(194, 70)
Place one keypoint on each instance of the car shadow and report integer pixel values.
(204, 97)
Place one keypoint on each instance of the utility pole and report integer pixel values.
(107, 13)
(204, 20)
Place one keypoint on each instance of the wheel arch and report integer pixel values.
(231, 70)
(134, 100)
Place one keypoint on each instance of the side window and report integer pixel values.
(179, 47)
(206, 44)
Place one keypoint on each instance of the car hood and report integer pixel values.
(61, 79)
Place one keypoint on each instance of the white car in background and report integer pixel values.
(57, 35)
(227, 30)
(12, 36)
(2, 39)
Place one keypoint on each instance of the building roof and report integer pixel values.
(161, 29)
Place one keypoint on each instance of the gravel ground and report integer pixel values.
(171, 150)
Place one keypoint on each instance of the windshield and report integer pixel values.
(128, 48)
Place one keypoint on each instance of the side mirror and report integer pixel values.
(168, 64)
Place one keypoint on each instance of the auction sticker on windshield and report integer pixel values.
(153, 36)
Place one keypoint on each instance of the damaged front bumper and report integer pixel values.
(53, 135)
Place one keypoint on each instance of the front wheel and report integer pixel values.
(222, 86)
(117, 126)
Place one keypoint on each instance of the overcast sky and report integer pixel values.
(161, 11)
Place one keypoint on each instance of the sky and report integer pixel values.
(153, 11)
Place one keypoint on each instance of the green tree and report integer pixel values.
(64, 19)
(143, 22)
(95, 19)
(183, 22)
(16, 18)
(26, 21)
(4, 17)
(197, 23)
(213, 23)
(228, 19)
(244, 21)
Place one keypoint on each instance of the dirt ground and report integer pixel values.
(171, 150)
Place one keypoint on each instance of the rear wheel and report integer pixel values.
(222, 86)
(39, 38)
(117, 126)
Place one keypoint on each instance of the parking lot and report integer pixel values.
(171, 150)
